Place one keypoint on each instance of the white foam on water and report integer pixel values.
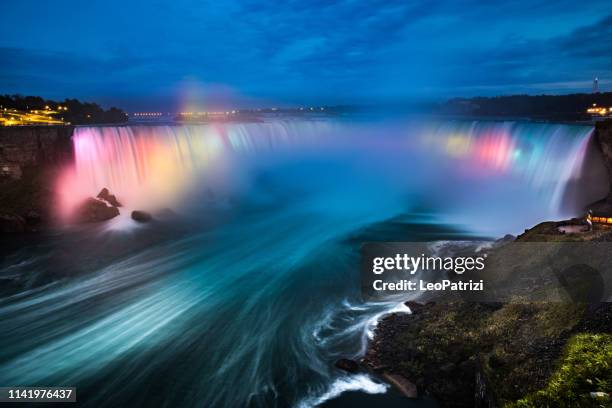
(359, 382)
(373, 321)
(122, 222)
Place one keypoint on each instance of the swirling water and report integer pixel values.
(248, 290)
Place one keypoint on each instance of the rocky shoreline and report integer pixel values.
(466, 354)
(479, 354)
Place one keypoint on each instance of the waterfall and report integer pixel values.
(547, 170)
(154, 165)
(559, 162)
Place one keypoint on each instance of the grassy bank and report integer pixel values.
(536, 354)
(585, 367)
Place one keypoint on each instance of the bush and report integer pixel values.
(585, 366)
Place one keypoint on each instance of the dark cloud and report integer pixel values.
(298, 51)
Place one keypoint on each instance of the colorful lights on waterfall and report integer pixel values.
(152, 167)
(156, 167)
(500, 147)
(495, 150)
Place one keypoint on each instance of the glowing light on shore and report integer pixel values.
(14, 117)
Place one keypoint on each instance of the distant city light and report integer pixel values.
(14, 117)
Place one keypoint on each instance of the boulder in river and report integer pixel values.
(94, 210)
(105, 195)
(141, 216)
(404, 385)
(346, 364)
(33, 218)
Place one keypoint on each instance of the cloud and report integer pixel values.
(297, 51)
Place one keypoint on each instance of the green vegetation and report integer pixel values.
(516, 348)
(586, 366)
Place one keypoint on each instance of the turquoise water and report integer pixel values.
(249, 291)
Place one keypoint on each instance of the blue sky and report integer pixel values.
(166, 54)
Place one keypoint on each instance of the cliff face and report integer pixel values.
(603, 136)
(603, 133)
(33, 147)
(30, 158)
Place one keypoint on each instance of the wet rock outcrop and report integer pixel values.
(141, 216)
(347, 365)
(105, 195)
(95, 210)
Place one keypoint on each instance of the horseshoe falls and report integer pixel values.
(244, 289)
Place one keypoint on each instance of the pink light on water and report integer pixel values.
(495, 151)
(143, 170)
(152, 167)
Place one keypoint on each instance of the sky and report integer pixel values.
(155, 55)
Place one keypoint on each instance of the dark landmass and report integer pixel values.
(563, 108)
(487, 354)
(31, 158)
(77, 112)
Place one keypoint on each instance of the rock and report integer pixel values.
(346, 364)
(33, 218)
(404, 385)
(414, 306)
(506, 238)
(495, 361)
(33, 148)
(105, 195)
(11, 223)
(378, 368)
(603, 136)
(94, 210)
(467, 367)
(141, 216)
(447, 368)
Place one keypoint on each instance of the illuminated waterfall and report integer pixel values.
(560, 161)
(152, 167)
